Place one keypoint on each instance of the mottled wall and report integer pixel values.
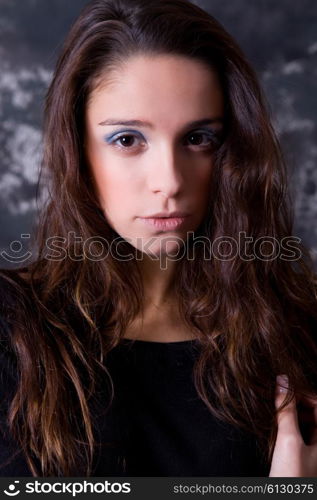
(279, 38)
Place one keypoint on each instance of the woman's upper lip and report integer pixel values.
(166, 214)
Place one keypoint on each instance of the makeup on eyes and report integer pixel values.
(120, 133)
(215, 135)
(113, 137)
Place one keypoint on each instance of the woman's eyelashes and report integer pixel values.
(130, 140)
(125, 139)
(203, 138)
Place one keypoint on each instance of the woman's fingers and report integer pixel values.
(287, 418)
(292, 456)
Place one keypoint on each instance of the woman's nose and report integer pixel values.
(166, 175)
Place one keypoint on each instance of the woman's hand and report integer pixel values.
(293, 456)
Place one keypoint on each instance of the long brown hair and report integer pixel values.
(254, 318)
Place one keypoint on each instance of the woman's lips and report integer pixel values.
(164, 223)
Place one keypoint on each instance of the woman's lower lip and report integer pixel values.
(165, 223)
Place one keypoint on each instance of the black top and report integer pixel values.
(157, 424)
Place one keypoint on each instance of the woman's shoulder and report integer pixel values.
(9, 304)
(11, 462)
(9, 374)
(13, 284)
(8, 299)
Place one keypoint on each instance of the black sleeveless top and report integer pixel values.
(156, 426)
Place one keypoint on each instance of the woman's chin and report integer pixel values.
(169, 246)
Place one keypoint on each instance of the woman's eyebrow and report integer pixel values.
(141, 123)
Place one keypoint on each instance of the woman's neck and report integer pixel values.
(158, 281)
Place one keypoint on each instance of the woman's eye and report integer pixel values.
(202, 139)
(126, 141)
(198, 139)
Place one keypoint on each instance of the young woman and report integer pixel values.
(166, 294)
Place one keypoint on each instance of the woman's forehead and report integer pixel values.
(156, 87)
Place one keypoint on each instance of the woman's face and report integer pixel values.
(150, 145)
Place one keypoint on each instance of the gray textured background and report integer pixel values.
(278, 37)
